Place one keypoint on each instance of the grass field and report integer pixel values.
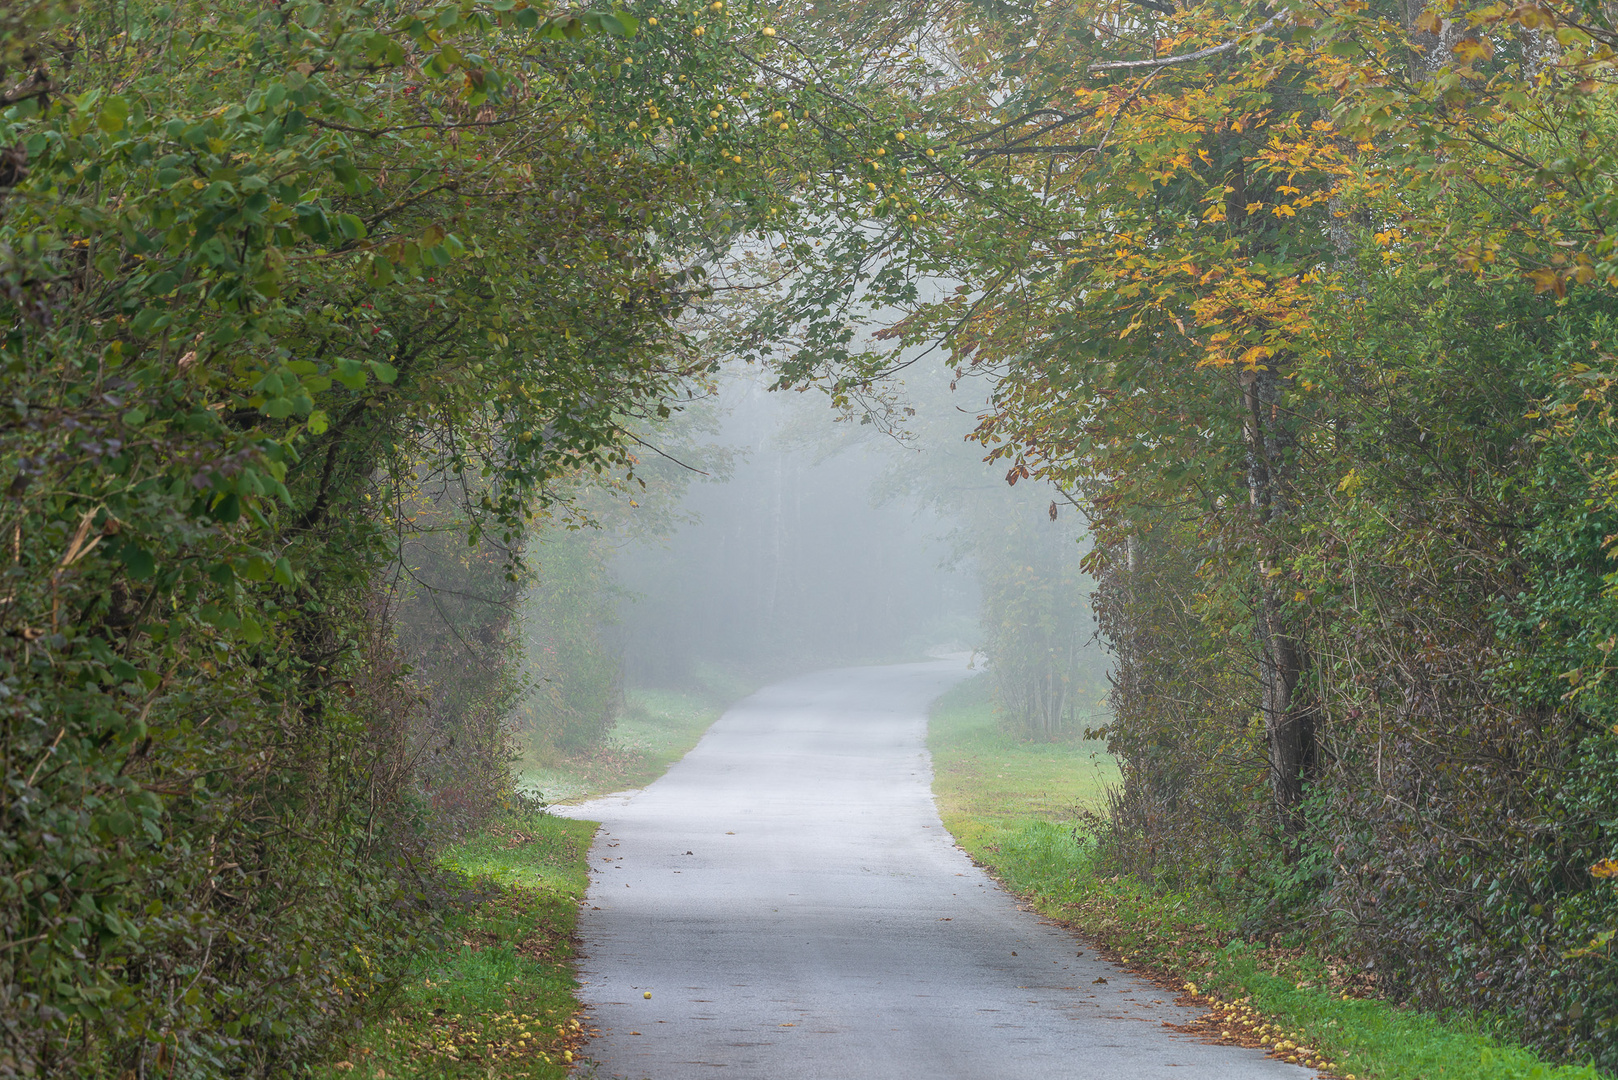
(1013, 806)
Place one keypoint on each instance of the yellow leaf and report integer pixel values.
(1546, 281)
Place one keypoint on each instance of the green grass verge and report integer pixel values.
(987, 781)
(1011, 806)
(655, 729)
(498, 998)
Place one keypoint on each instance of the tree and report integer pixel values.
(270, 274)
(1310, 310)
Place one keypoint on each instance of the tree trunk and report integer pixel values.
(1288, 722)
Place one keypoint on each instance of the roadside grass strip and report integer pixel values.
(655, 729)
(498, 998)
(1014, 808)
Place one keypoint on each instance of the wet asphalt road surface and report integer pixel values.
(790, 899)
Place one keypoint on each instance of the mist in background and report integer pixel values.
(803, 555)
(815, 541)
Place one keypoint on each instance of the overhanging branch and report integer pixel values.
(1190, 57)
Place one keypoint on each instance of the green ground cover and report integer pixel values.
(496, 997)
(656, 728)
(987, 781)
(1015, 807)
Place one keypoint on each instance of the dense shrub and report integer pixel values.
(269, 275)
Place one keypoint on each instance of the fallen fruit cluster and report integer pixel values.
(1237, 1022)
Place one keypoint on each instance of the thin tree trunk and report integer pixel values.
(1288, 722)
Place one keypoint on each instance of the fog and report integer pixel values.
(795, 557)
(817, 540)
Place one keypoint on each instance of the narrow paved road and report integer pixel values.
(789, 898)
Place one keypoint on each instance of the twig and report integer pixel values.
(661, 454)
(46, 758)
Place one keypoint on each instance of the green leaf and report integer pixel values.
(385, 372)
(219, 617)
(150, 319)
(114, 111)
(278, 408)
(351, 373)
(226, 509)
(251, 631)
(163, 283)
(376, 271)
(138, 561)
(448, 58)
(255, 568)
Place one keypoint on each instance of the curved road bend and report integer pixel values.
(792, 902)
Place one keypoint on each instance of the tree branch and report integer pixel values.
(1186, 58)
(1063, 148)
